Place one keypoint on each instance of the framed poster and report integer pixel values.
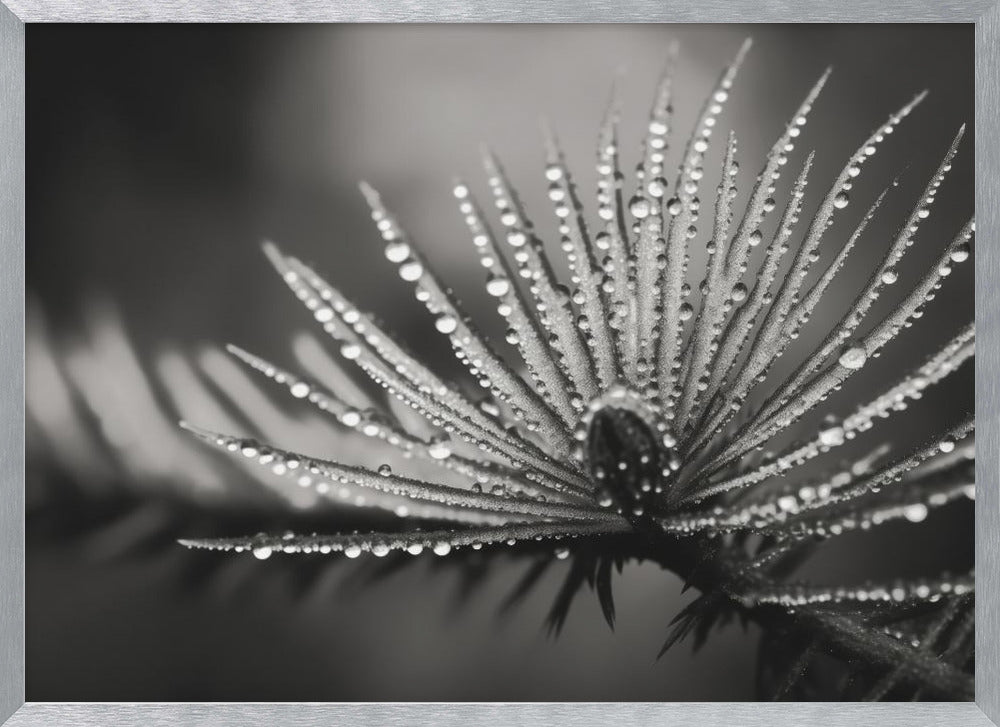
(567, 369)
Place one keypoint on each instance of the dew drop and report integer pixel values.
(946, 445)
(397, 252)
(517, 239)
(657, 187)
(384, 470)
(832, 437)
(497, 286)
(442, 548)
(262, 553)
(299, 390)
(639, 207)
(890, 276)
(853, 358)
(446, 324)
(353, 550)
(439, 448)
(841, 200)
(411, 271)
(787, 503)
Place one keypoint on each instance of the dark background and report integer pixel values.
(160, 156)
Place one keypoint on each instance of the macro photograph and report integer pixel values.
(500, 363)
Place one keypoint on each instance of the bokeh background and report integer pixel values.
(160, 156)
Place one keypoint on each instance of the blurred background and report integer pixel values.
(160, 156)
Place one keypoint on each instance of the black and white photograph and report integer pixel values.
(500, 363)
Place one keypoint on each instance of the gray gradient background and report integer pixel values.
(159, 157)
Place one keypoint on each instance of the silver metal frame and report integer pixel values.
(986, 16)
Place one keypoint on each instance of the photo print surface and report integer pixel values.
(500, 363)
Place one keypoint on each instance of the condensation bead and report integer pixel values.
(832, 437)
(853, 358)
(397, 252)
(446, 324)
(639, 207)
(411, 271)
(497, 286)
(262, 553)
(439, 448)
